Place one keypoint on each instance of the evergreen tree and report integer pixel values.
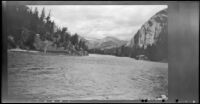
(42, 15)
(74, 39)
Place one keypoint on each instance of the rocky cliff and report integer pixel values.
(152, 32)
(151, 38)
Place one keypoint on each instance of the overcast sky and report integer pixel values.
(99, 21)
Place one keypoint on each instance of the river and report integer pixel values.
(93, 77)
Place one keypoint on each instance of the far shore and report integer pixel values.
(41, 52)
(22, 50)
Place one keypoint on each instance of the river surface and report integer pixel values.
(93, 77)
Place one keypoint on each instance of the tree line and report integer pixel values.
(23, 23)
(152, 52)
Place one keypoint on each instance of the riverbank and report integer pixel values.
(50, 52)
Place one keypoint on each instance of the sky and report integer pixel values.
(99, 21)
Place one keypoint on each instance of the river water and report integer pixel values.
(93, 77)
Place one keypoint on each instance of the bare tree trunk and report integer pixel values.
(45, 46)
(45, 50)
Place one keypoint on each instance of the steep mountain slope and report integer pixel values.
(152, 32)
(151, 38)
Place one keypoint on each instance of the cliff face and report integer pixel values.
(152, 31)
(151, 38)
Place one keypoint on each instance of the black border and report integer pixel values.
(183, 36)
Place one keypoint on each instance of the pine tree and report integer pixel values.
(42, 15)
(74, 39)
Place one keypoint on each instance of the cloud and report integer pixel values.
(99, 21)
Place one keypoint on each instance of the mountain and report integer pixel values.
(152, 32)
(110, 42)
(92, 43)
(105, 43)
(150, 41)
(151, 38)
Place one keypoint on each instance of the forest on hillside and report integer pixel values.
(26, 29)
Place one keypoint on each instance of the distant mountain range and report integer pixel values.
(105, 43)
